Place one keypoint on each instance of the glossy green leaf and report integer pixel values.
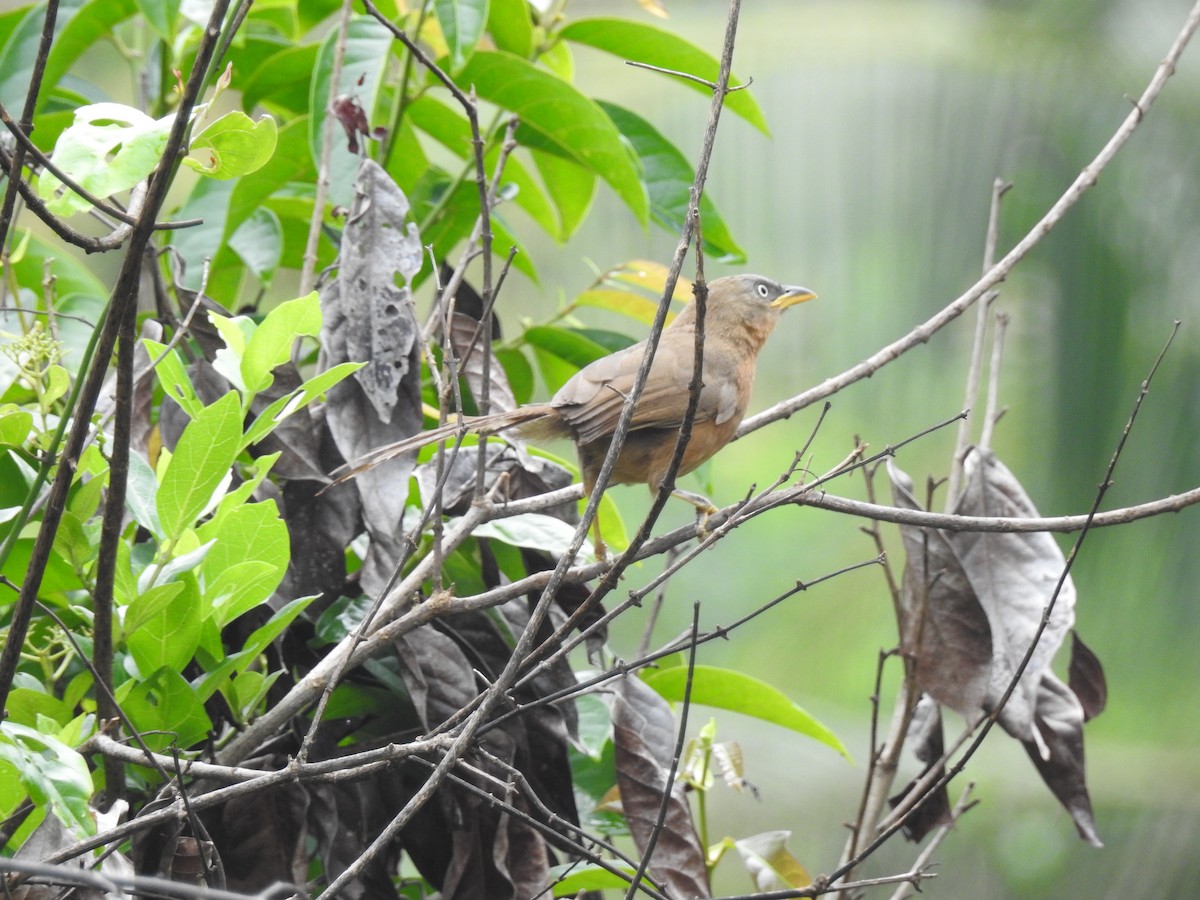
(669, 178)
(232, 146)
(173, 376)
(570, 186)
(449, 127)
(565, 344)
(572, 879)
(23, 30)
(161, 15)
(15, 425)
(281, 83)
(54, 775)
(165, 703)
(108, 148)
(511, 26)
(732, 690)
(80, 27)
(271, 343)
(140, 494)
(206, 449)
(248, 558)
(561, 115)
(162, 627)
(462, 22)
(262, 636)
(519, 373)
(283, 407)
(258, 242)
(655, 46)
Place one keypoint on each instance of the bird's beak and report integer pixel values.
(791, 296)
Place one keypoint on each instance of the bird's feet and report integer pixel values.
(704, 509)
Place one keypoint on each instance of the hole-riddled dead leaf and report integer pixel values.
(644, 740)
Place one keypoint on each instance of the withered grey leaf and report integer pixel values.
(466, 339)
(1013, 576)
(1059, 721)
(367, 318)
(944, 632)
(644, 741)
(925, 738)
(1085, 675)
(436, 672)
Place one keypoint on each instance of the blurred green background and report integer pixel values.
(891, 120)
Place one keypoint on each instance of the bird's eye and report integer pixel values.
(763, 291)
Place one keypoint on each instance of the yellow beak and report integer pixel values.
(791, 296)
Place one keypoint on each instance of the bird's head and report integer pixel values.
(755, 301)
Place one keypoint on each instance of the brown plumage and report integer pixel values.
(741, 311)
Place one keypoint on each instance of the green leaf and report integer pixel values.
(575, 125)
(655, 46)
(232, 146)
(261, 637)
(108, 148)
(161, 15)
(150, 604)
(534, 530)
(462, 24)
(449, 127)
(15, 425)
(728, 689)
(165, 703)
(258, 242)
(566, 344)
(519, 373)
(511, 26)
(282, 81)
(173, 377)
(53, 774)
(296, 400)
(247, 560)
(167, 629)
(271, 343)
(571, 187)
(669, 178)
(367, 50)
(572, 879)
(206, 449)
(140, 494)
(80, 30)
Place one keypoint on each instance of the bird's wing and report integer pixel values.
(591, 401)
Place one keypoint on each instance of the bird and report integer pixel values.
(741, 311)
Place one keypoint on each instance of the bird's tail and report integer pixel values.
(480, 425)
